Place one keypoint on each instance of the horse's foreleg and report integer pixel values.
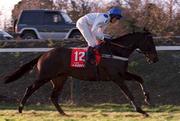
(58, 84)
(29, 91)
(130, 97)
(132, 77)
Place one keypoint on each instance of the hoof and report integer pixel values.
(142, 112)
(146, 114)
(20, 108)
(64, 114)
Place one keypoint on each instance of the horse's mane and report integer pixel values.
(127, 36)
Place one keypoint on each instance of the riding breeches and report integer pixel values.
(85, 30)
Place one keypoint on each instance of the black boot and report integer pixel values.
(90, 57)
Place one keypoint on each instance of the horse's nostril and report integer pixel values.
(157, 59)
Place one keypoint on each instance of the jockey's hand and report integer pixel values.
(100, 42)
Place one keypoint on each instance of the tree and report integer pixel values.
(170, 7)
(75, 8)
(31, 4)
(157, 16)
(132, 13)
(176, 24)
(155, 19)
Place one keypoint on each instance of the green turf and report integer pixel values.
(103, 112)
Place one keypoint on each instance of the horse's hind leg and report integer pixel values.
(133, 77)
(29, 91)
(130, 97)
(58, 84)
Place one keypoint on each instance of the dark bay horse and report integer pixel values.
(54, 66)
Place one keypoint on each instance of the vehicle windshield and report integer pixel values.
(66, 17)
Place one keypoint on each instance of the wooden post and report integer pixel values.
(75, 90)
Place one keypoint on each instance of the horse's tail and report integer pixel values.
(20, 71)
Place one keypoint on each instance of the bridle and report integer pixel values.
(147, 53)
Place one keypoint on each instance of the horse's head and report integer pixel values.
(125, 45)
(147, 47)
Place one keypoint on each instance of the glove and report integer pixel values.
(107, 39)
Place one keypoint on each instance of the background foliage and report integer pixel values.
(160, 17)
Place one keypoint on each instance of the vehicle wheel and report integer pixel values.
(76, 35)
(29, 35)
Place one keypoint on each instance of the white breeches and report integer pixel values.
(85, 30)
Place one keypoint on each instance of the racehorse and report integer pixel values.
(54, 66)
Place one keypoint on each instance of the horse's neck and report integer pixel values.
(129, 44)
(128, 41)
(117, 51)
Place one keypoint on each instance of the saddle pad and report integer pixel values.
(78, 57)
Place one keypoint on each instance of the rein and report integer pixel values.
(126, 47)
(119, 45)
(113, 56)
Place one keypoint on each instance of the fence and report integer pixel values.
(4, 50)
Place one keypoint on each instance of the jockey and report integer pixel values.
(92, 26)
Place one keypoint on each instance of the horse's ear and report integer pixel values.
(146, 31)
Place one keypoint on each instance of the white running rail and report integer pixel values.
(6, 50)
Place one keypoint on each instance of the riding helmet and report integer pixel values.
(115, 12)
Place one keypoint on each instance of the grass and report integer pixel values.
(103, 112)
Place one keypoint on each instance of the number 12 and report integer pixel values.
(79, 56)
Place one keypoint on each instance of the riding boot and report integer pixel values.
(90, 57)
